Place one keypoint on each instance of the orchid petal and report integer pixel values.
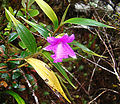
(69, 51)
(60, 47)
(71, 38)
(61, 52)
(64, 38)
(56, 59)
(52, 40)
(51, 48)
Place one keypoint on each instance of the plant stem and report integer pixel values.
(56, 30)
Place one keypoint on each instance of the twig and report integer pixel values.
(76, 80)
(114, 65)
(97, 97)
(93, 73)
(110, 53)
(30, 86)
(96, 64)
(108, 41)
(32, 18)
(105, 90)
(109, 90)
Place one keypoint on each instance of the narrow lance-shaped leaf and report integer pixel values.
(85, 21)
(64, 15)
(16, 96)
(48, 11)
(85, 49)
(48, 76)
(11, 11)
(58, 67)
(42, 30)
(25, 35)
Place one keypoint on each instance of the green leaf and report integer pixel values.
(25, 35)
(21, 44)
(29, 3)
(19, 13)
(85, 21)
(42, 30)
(24, 54)
(48, 11)
(27, 38)
(29, 77)
(16, 96)
(6, 14)
(85, 49)
(58, 67)
(64, 15)
(33, 12)
(15, 21)
(15, 85)
(12, 36)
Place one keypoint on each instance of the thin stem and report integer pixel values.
(114, 65)
(15, 59)
(96, 64)
(56, 30)
(97, 97)
(32, 18)
(22, 65)
(30, 86)
(93, 73)
(34, 55)
(76, 80)
(105, 90)
(14, 46)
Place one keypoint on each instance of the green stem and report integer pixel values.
(34, 55)
(22, 65)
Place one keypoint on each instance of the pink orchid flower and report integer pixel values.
(60, 47)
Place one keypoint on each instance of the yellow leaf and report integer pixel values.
(15, 21)
(48, 76)
(48, 11)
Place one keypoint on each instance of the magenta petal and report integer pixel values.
(51, 47)
(52, 40)
(48, 48)
(60, 47)
(69, 51)
(61, 52)
(56, 59)
(71, 38)
(64, 38)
